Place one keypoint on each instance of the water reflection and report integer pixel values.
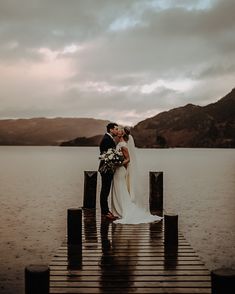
(90, 240)
(170, 257)
(90, 228)
(169, 254)
(119, 255)
(104, 234)
(155, 231)
(74, 257)
(107, 261)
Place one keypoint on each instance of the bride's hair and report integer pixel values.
(125, 131)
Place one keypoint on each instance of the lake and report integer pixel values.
(38, 184)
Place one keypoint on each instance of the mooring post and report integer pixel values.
(223, 281)
(171, 229)
(90, 184)
(37, 279)
(74, 226)
(156, 191)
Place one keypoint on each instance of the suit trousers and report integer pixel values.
(106, 179)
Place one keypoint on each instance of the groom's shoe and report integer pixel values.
(113, 216)
(109, 216)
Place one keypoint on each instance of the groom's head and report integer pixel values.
(112, 128)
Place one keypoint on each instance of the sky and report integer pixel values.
(122, 60)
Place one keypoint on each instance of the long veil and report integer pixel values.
(134, 178)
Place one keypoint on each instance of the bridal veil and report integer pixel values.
(133, 177)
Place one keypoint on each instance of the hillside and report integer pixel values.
(48, 131)
(190, 126)
(211, 126)
(84, 141)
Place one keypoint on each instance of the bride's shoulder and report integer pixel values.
(122, 144)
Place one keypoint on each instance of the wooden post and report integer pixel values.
(90, 183)
(37, 279)
(171, 229)
(74, 226)
(156, 191)
(223, 281)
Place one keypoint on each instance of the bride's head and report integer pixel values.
(123, 133)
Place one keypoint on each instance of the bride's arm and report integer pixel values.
(126, 156)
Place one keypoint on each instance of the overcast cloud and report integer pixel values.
(119, 60)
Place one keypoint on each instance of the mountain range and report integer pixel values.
(195, 126)
(48, 131)
(191, 126)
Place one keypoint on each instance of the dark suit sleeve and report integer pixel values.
(103, 145)
(106, 143)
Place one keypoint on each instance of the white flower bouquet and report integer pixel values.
(111, 159)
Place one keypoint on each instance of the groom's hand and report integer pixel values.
(119, 164)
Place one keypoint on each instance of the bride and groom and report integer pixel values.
(126, 203)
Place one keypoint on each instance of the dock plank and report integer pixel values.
(127, 259)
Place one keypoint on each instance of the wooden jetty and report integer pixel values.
(99, 256)
(117, 258)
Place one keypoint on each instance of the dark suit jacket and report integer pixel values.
(106, 143)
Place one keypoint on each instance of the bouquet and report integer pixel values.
(111, 158)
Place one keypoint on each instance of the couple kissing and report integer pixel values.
(119, 178)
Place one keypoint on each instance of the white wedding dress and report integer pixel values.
(124, 200)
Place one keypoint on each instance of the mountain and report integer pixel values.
(48, 131)
(83, 141)
(211, 126)
(190, 126)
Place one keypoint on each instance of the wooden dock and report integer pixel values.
(117, 258)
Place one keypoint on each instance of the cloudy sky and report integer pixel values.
(122, 60)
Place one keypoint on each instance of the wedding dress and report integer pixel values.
(124, 198)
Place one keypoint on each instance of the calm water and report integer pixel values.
(38, 184)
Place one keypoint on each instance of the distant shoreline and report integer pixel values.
(148, 148)
(189, 126)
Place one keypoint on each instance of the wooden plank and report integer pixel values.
(148, 254)
(129, 243)
(107, 248)
(130, 262)
(140, 258)
(136, 272)
(142, 237)
(120, 278)
(128, 259)
(129, 290)
(128, 267)
(126, 241)
(132, 284)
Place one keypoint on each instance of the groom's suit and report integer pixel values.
(106, 143)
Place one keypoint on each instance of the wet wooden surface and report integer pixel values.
(126, 259)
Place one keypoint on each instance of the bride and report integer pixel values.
(125, 201)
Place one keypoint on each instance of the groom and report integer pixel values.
(106, 143)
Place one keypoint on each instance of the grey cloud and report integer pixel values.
(55, 22)
(165, 43)
(161, 100)
(217, 70)
(27, 112)
(182, 22)
(172, 39)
